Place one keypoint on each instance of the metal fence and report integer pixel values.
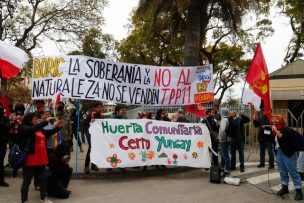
(251, 138)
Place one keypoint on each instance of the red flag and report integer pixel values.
(258, 79)
(5, 104)
(196, 109)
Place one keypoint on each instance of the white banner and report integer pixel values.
(141, 142)
(82, 77)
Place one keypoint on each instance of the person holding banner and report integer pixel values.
(66, 130)
(33, 138)
(95, 114)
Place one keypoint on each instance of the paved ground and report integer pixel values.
(171, 185)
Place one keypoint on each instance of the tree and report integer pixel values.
(197, 18)
(99, 45)
(26, 22)
(294, 10)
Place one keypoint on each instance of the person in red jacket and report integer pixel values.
(34, 141)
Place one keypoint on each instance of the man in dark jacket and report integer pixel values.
(237, 141)
(266, 140)
(213, 128)
(95, 114)
(4, 129)
(59, 173)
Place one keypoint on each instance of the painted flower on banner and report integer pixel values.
(185, 156)
(169, 161)
(113, 160)
(143, 156)
(132, 156)
(175, 157)
(111, 146)
(151, 155)
(194, 155)
(200, 144)
(163, 155)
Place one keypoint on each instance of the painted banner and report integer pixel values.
(82, 77)
(141, 142)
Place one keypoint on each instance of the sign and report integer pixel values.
(142, 142)
(82, 77)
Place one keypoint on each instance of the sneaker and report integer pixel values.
(271, 167)
(261, 165)
(46, 200)
(242, 170)
(4, 184)
(232, 168)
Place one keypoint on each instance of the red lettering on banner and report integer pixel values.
(182, 78)
(204, 97)
(160, 76)
(137, 143)
(176, 94)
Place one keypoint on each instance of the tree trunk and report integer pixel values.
(193, 34)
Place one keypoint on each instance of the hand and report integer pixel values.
(66, 159)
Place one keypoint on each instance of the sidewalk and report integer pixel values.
(78, 166)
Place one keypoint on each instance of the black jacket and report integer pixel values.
(239, 128)
(262, 137)
(4, 129)
(287, 141)
(27, 135)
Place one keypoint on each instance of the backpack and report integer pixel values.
(17, 157)
(231, 128)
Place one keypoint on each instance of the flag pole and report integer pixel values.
(77, 137)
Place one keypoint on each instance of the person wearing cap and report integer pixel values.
(181, 118)
(286, 155)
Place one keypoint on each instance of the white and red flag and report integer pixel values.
(12, 60)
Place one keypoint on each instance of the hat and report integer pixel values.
(180, 110)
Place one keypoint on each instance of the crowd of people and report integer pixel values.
(47, 136)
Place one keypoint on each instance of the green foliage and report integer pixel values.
(294, 10)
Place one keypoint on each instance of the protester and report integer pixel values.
(59, 173)
(74, 122)
(140, 115)
(161, 115)
(266, 140)
(66, 131)
(213, 128)
(33, 138)
(225, 142)
(16, 121)
(238, 141)
(4, 129)
(286, 155)
(95, 114)
(149, 115)
(181, 116)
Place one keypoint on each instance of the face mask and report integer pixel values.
(60, 108)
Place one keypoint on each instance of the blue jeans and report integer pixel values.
(288, 165)
(269, 147)
(239, 146)
(225, 161)
(300, 162)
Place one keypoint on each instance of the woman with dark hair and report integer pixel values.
(33, 139)
(285, 139)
